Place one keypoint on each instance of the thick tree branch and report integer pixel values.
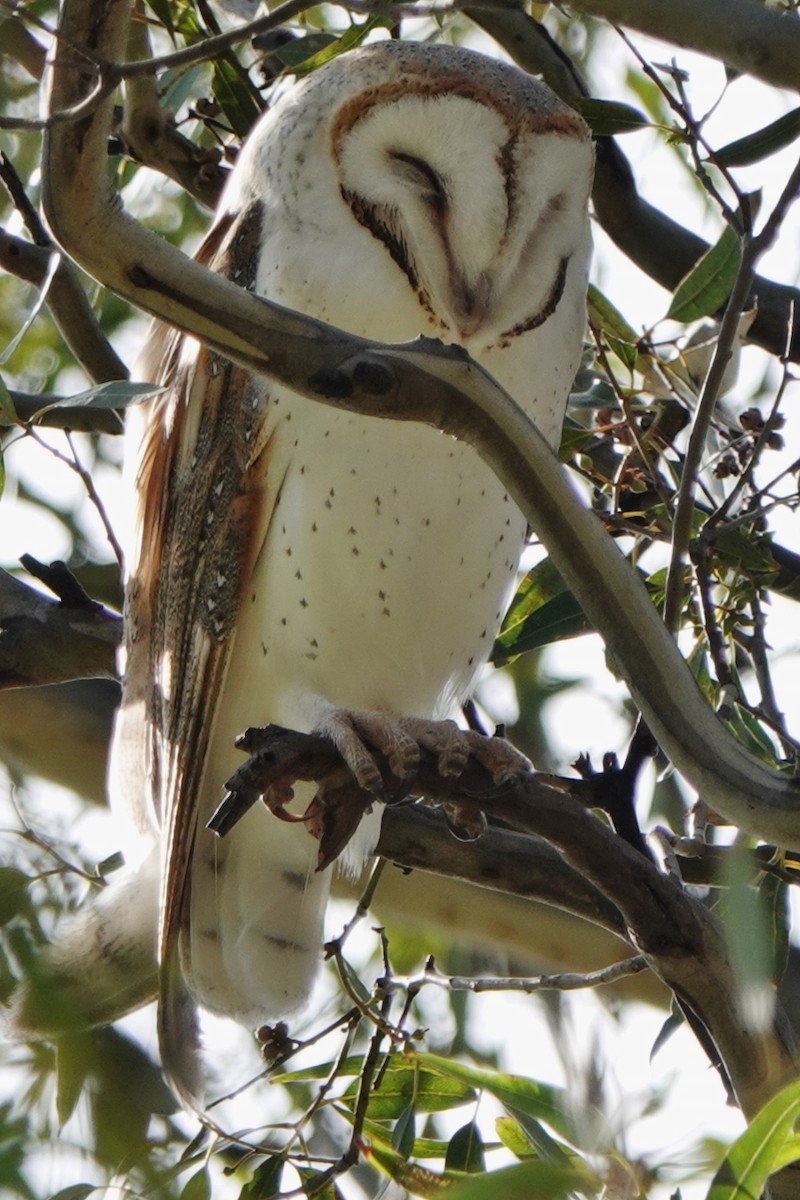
(60, 733)
(48, 641)
(744, 34)
(421, 381)
(17, 43)
(68, 304)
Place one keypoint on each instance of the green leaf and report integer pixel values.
(72, 1068)
(14, 897)
(177, 84)
(538, 1100)
(600, 395)
(96, 408)
(465, 1152)
(7, 411)
(543, 1143)
(417, 1180)
(198, 1187)
(514, 1138)
(745, 921)
(163, 10)
(543, 611)
(265, 1182)
(76, 1191)
(761, 1150)
(349, 40)
(751, 733)
(300, 50)
(608, 318)
(707, 286)
(313, 1187)
(118, 393)
(378, 1132)
(606, 118)
(751, 554)
(404, 1133)
(622, 339)
(775, 897)
(526, 1180)
(404, 1083)
(352, 1065)
(754, 146)
(236, 97)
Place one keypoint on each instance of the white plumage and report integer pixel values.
(290, 561)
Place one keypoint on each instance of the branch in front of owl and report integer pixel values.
(661, 247)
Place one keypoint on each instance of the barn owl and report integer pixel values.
(289, 563)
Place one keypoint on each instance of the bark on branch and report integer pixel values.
(49, 641)
(744, 34)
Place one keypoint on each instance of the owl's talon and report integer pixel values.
(503, 761)
(400, 741)
(445, 740)
(352, 732)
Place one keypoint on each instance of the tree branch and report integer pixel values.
(48, 641)
(17, 43)
(68, 304)
(743, 34)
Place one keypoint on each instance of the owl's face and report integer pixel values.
(429, 189)
(481, 206)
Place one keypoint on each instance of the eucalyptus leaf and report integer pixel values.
(541, 1180)
(265, 1182)
(236, 96)
(197, 1187)
(707, 286)
(753, 147)
(543, 611)
(606, 118)
(119, 393)
(404, 1083)
(350, 39)
(538, 1100)
(465, 1152)
(760, 1150)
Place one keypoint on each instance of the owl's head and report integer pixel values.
(430, 189)
(474, 176)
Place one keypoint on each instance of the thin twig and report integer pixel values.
(565, 982)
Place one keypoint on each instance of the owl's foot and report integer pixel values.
(393, 758)
(398, 741)
(356, 757)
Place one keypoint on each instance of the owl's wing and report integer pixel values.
(202, 469)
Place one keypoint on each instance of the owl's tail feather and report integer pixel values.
(179, 1036)
(101, 966)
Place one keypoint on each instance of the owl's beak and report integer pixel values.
(471, 303)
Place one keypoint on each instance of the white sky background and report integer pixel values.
(584, 719)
